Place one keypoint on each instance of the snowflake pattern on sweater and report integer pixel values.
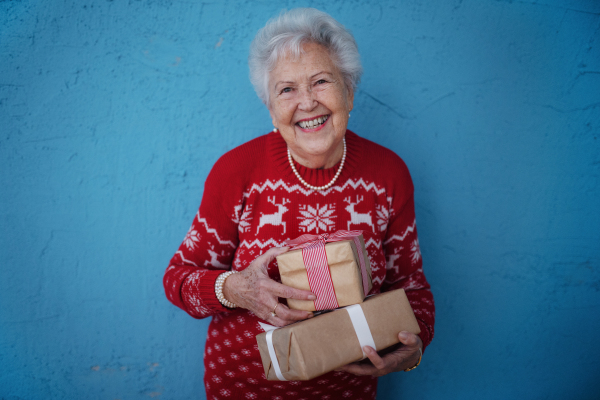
(252, 201)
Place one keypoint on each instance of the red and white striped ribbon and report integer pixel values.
(317, 268)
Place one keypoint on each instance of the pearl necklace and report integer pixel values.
(337, 174)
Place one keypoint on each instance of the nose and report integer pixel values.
(307, 99)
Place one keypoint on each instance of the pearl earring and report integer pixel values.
(275, 130)
(349, 115)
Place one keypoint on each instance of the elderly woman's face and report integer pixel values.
(309, 102)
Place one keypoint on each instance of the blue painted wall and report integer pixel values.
(113, 112)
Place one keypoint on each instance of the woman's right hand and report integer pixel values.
(253, 290)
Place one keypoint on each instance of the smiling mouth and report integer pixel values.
(313, 123)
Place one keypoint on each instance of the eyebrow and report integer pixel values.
(311, 77)
(322, 72)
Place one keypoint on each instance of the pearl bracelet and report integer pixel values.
(219, 289)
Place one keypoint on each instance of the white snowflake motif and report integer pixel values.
(383, 216)
(416, 251)
(236, 213)
(191, 238)
(221, 360)
(225, 392)
(251, 395)
(347, 393)
(235, 356)
(244, 368)
(230, 374)
(246, 352)
(216, 379)
(227, 342)
(317, 218)
(244, 221)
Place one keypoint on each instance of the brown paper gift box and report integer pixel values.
(313, 347)
(342, 258)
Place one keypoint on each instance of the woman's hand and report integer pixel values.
(405, 357)
(253, 290)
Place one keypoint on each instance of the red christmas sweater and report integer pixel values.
(252, 201)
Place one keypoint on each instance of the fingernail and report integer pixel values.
(403, 335)
(312, 297)
(310, 315)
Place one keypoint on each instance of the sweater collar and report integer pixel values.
(277, 152)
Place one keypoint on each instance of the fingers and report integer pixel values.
(284, 313)
(379, 365)
(359, 369)
(270, 255)
(374, 357)
(287, 292)
(284, 316)
(410, 339)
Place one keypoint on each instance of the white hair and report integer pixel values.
(287, 33)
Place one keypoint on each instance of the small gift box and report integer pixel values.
(335, 267)
(310, 348)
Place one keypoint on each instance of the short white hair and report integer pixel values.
(287, 33)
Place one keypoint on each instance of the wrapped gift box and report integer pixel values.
(344, 269)
(310, 348)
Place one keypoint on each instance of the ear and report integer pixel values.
(275, 123)
(350, 99)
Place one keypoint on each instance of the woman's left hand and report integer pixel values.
(405, 357)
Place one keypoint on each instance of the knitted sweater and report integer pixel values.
(252, 201)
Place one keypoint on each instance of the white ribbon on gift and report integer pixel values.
(270, 329)
(361, 327)
(359, 323)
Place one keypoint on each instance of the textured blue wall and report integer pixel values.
(113, 112)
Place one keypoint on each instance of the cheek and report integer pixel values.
(282, 114)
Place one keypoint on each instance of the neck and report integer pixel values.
(321, 161)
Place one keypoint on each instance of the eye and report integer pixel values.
(285, 90)
(321, 81)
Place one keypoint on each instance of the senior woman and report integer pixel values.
(309, 175)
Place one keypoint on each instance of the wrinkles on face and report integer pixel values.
(310, 104)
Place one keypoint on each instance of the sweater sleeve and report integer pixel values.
(404, 264)
(208, 248)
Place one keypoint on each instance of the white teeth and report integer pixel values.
(313, 123)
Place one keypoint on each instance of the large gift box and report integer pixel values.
(310, 348)
(335, 267)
